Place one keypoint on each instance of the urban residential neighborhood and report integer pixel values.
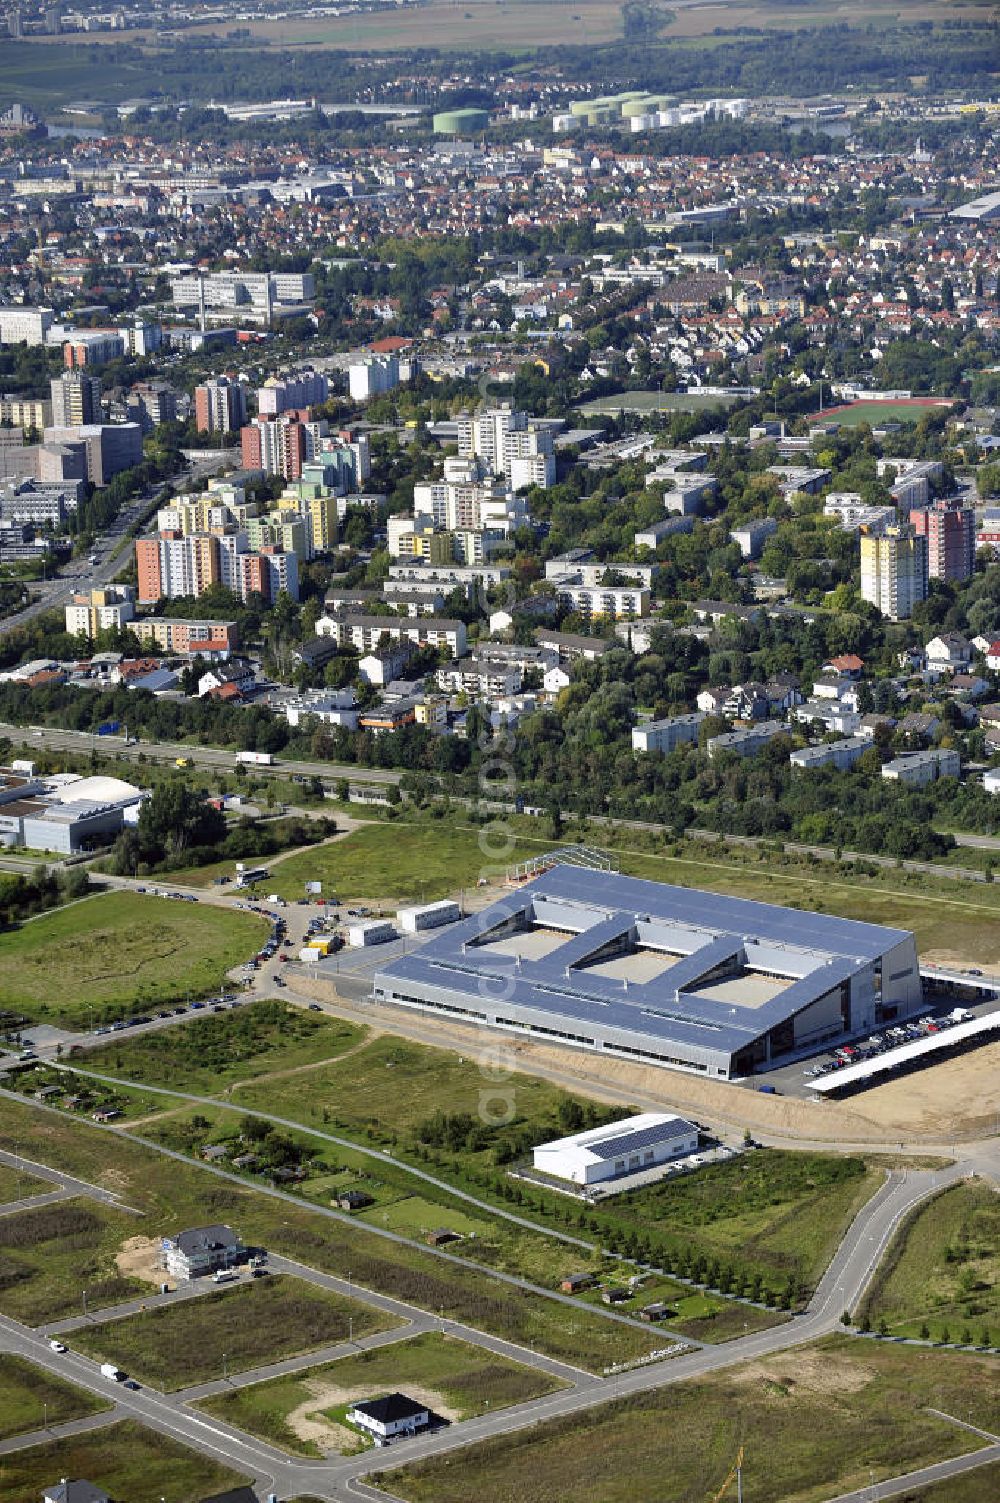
(500, 752)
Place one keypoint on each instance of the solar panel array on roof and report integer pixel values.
(629, 1142)
(834, 972)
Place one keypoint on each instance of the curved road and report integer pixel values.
(338, 1478)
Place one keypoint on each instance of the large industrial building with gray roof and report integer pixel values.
(663, 975)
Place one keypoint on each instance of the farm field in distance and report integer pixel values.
(940, 1278)
(29, 1397)
(300, 1412)
(815, 1421)
(126, 1459)
(518, 27)
(119, 952)
(176, 1346)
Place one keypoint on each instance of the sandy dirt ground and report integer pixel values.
(308, 1423)
(953, 959)
(141, 1258)
(956, 1099)
(808, 1372)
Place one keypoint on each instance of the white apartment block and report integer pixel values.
(917, 769)
(469, 505)
(839, 754)
(373, 376)
(746, 743)
(615, 602)
(251, 296)
(852, 513)
(569, 568)
(19, 325)
(284, 393)
(364, 633)
(479, 679)
(508, 443)
(101, 610)
(666, 735)
(894, 570)
(418, 579)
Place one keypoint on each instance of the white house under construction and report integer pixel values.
(666, 975)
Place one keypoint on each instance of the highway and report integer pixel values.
(199, 756)
(211, 757)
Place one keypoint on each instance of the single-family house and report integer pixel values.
(201, 1250)
(390, 1416)
(353, 1200)
(74, 1490)
(949, 650)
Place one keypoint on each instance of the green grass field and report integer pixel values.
(770, 1214)
(654, 401)
(776, 1212)
(453, 1375)
(31, 1397)
(402, 861)
(50, 1254)
(941, 1278)
(120, 952)
(877, 413)
(176, 1346)
(979, 1486)
(815, 1422)
(16, 1184)
(173, 1194)
(418, 860)
(215, 1050)
(48, 77)
(126, 1460)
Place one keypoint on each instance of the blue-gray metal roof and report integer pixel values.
(641, 1137)
(605, 904)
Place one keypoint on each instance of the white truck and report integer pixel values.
(225, 1276)
(255, 759)
(109, 1370)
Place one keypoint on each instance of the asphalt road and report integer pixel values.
(340, 1478)
(79, 574)
(198, 756)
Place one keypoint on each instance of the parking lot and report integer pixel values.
(794, 1079)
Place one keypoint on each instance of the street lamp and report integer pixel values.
(225, 1369)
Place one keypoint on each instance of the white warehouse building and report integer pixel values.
(428, 916)
(617, 1148)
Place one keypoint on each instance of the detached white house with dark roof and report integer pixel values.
(389, 1417)
(202, 1250)
(618, 1148)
